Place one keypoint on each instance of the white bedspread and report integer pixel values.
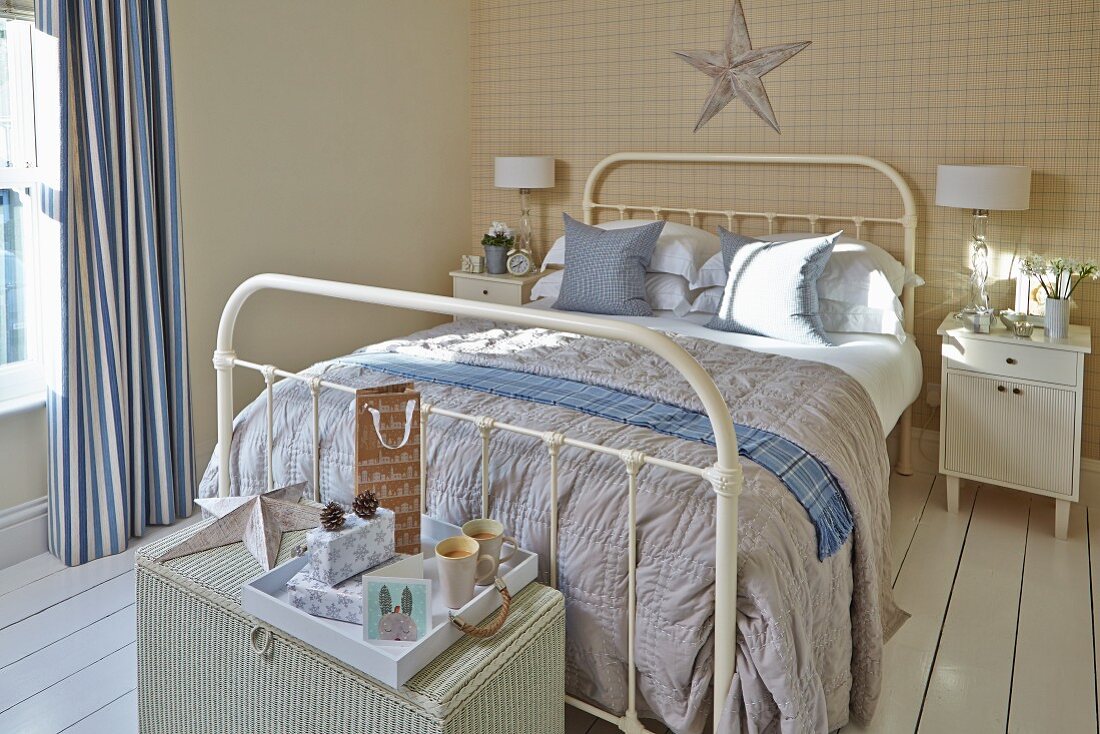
(888, 370)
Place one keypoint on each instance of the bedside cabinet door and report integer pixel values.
(1011, 432)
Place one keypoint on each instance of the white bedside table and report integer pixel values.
(1010, 412)
(507, 290)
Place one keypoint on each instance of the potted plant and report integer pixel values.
(1059, 278)
(498, 241)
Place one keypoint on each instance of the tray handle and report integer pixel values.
(493, 627)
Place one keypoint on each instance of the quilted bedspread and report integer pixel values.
(810, 632)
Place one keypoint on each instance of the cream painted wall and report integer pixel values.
(22, 456)
(324, 139)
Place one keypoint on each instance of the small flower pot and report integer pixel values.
(496, 260)
(1056, 319)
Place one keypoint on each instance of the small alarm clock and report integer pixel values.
(520, 263)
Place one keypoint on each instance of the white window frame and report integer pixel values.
(24, 382)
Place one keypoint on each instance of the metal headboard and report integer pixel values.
(908, 220)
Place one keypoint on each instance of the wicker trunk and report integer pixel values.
(206, 666)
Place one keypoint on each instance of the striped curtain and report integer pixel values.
(119, 415)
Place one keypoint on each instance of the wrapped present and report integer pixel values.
(343, 602)
(337, 555)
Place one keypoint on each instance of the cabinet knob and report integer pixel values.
(1000, 388)
(1011, 360)
(485, 292)
(1017, 391)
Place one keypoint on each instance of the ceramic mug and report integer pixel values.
(460, 561)
(489, 534)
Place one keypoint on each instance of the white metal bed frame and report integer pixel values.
(724, 475)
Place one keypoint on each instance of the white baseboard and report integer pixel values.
(926, 459)
(22, 532)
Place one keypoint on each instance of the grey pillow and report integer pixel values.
(771, 289)
(605, 269)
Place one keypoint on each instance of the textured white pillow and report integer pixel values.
(858, 272)
(681, 250)
(836, 316)
(664, 292)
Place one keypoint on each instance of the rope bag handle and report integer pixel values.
(493, 627)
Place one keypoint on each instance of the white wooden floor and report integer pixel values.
(1002, 636)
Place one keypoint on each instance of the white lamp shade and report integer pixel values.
(983, 187)
(524, 172)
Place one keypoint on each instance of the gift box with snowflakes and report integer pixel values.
(337, 555)
(343, 602)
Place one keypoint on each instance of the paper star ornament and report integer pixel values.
(259, 520)
(737, 70)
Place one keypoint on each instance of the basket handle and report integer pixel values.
(493, 627)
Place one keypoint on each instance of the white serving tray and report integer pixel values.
(392, 663)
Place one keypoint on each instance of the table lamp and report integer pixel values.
(981, 189)
(524, 173)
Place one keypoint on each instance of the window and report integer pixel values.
(29, 147)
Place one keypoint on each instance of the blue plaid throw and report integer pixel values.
(811, 482)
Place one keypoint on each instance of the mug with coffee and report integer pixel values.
(460, 562)
(489, 534)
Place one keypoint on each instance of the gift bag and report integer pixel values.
(387, 456)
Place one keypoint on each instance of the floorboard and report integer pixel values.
(63, 619)
(28, 571)
(46, 592)
(80, 695)
(922, 589)
(40, 670)
(577, 721)
(908, 497)
(972, 676)
(1054, 676)
(1094, 568)
(119, 716)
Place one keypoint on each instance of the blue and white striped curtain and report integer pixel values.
(119, 417)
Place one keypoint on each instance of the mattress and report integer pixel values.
(890, 371)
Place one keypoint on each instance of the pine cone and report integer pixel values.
(332, 517)
(365, 505)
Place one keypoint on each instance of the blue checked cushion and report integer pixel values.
(605, 269)
(771, 289)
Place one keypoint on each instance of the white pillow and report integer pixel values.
(836, 316)
(664, 292)
(707, 300)
(839, 316)
(857, 272)
(681, 250)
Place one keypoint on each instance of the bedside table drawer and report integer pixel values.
(1011, 360)
(1010, 432)
(510, 294)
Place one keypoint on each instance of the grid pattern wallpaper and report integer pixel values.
(911, 82)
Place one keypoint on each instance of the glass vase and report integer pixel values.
(1056, 318)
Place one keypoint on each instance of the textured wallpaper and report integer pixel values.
(911, 83)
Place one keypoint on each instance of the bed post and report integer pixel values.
(726, 481)
(905, 425)
(223, 363)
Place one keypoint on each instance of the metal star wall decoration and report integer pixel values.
(259, 520)
(737, 70)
